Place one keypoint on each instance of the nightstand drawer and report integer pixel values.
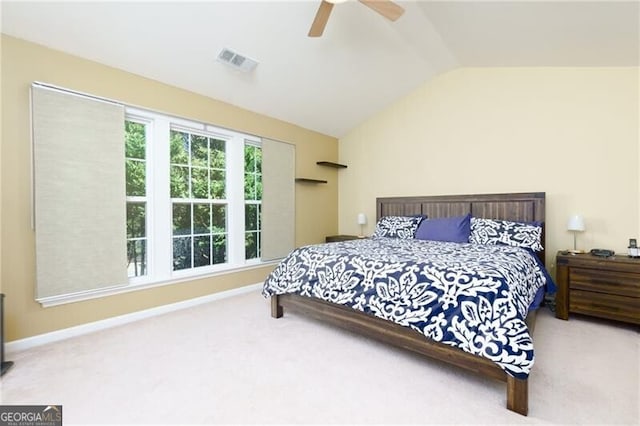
(600, 281)
(602, 287)
(602, 305)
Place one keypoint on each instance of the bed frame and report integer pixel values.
(515, 206)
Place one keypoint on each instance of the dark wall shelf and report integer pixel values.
(331, 164)
(307, 180)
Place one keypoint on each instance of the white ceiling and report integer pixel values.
(333, 83)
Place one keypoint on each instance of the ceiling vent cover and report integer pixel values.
(236, 60)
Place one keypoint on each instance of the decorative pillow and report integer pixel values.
(518, 234)
(455, 229)
(403, 227)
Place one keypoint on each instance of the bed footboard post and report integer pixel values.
(518, 395)
(276, 308)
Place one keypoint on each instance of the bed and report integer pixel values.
(415, 316)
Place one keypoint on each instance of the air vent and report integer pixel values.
(236, 60)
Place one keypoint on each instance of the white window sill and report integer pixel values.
(127, 288)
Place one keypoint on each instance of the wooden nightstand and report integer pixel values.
(600, 287)
(336, 238)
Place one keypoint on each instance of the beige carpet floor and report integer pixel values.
(229, 362)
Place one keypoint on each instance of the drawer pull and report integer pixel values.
(607, 307)
(601, 281)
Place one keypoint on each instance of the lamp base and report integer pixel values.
(574, 251)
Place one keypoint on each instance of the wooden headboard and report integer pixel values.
(520, 207)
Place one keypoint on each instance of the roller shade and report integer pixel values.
(79, 192)
(278, 199)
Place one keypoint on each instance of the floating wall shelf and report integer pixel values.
(331, 164)
(307, 180)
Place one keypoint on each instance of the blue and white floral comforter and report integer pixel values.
(471, 296)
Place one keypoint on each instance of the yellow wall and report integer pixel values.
(570, 132)
(1, 40)
(23, 63)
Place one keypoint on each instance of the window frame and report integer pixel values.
(153, 222)
(258, 203)
(159, 202)
(147, 197)
(192, 201)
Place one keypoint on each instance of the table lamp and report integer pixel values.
(575, 225)
(362, 220)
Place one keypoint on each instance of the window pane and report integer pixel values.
(200, 183)
(249, 186)
(259, 216)
(136, 172)
(134, 140)
(179, 148)
(259, 187)
(219, 249)
(252, 192)
(219, 218)
(217, 185)
(181, 253)
(253, 172)
(199, 151)
(181, 219)
(137, 258)
(202, 251)
(250, 217)
(201, 218)
(217, 154)
(179, 182)
(136, 220)
(258, 156)
(249, 161)
(251, 245)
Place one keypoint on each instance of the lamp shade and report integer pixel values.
(362, 219)
(576, 223)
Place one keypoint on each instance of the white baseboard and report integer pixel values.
(55, 336)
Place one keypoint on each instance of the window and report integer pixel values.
(252, 199)
(160, 198)
(136, 176)
(199, 211)
(198, 200)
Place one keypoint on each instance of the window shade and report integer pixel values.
(278, 199)
(79, 193)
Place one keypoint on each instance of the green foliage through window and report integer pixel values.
(135, 167)
(190, 189)
(201, 241)
(198, 172)
(253, 199)
(198, 166)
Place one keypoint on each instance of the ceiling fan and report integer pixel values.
(386, 8)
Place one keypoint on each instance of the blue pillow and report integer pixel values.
(455, 229)
(403, 227)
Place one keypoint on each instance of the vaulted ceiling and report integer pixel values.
(332, 83)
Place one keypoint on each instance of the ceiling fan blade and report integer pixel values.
(386, 8)
(320, 21)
